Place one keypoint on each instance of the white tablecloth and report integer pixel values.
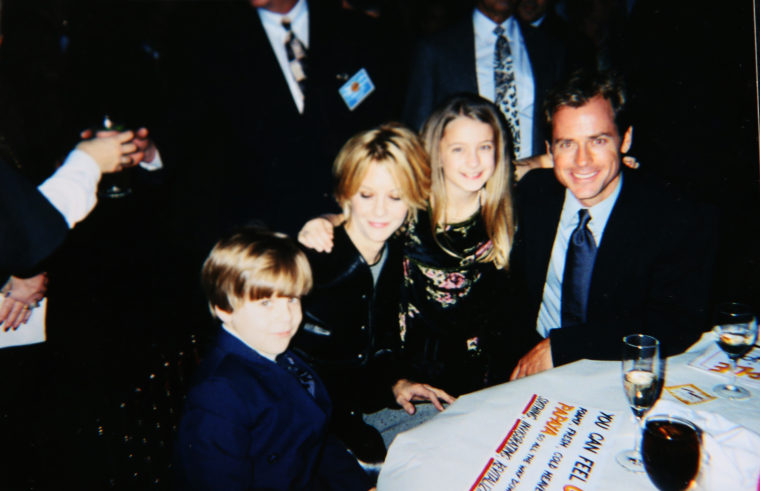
(447, 452)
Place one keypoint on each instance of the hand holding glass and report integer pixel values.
(115, 184)
(643, 373)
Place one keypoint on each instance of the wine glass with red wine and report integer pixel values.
(736, 328)
(643, 374)
(671, 450)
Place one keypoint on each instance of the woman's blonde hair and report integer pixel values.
(397, 148)
(254, 263)
(496, 207)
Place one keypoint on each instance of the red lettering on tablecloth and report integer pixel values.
(559, 416)
(530, 403)
(514, 439)
(506, 439)
(741, 370)
(490, 476)
(535, 407)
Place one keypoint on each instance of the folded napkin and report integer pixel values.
(733, 450)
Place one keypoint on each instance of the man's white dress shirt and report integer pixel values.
(299, 22)
(485, 46)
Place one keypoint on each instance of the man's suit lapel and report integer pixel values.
(262, 70)
(621, 236)
(541, 64)
(462, 52)
(547, 216)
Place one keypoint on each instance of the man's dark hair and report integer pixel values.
(584, 85)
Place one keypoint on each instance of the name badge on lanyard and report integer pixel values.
(356, 89)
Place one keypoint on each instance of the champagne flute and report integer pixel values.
(114, 184)
(671, 451)
(736, 328)
(643, 371)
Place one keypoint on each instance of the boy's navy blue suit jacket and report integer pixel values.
(249, 424)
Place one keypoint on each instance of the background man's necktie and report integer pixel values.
(297, 53)
(579, 264)
(506, 86)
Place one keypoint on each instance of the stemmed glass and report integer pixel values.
(643, 371)
(114, 184)
(736, 328)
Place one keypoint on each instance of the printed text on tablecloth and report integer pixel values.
(551, 445)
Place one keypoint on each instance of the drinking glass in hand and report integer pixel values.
(643, 371)
(114, 184)
(671, 452)
(736, 328)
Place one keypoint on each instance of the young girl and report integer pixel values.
(456, 254)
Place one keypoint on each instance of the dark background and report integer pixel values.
(95, 405)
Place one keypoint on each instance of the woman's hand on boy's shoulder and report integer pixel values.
(317, 233)
(405, 391)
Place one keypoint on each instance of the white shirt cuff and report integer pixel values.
(72, 188)
(154, 164)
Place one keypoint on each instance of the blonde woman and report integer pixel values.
(350, 331)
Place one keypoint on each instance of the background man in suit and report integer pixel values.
(463, 59)
(641, 264)
(259, 121)
(249, 140)
(542, 15)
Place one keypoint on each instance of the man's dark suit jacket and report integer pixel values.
(241, 151)
(652, 272)
(249, 424)
(444, 64)
(30, 227)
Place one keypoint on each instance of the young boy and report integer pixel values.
(257, 416)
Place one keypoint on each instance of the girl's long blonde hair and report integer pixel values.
(496, 202)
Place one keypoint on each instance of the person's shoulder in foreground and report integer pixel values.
(256, 416)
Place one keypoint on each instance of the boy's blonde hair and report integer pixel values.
(394, 146)
(496, 208)
(254, 263)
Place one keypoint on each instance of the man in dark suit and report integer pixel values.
(542, 15)
(641, 264)
(461, 59)
(252, 141)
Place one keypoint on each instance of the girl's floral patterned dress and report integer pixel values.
(449, 302)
